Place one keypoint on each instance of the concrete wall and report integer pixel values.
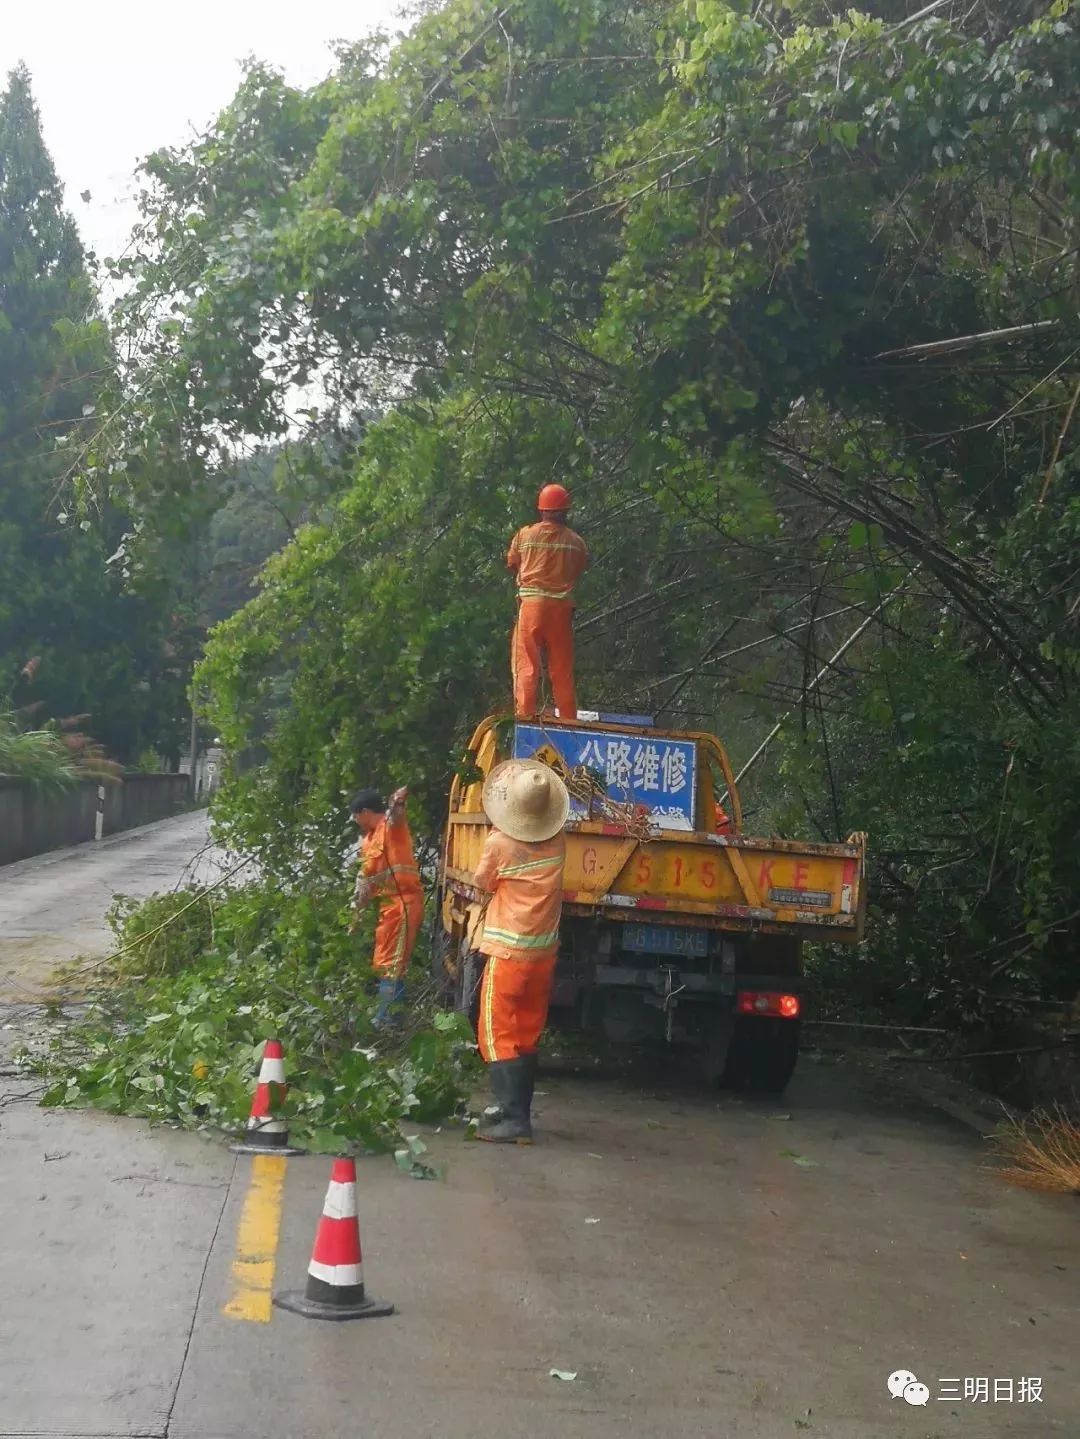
(32, 822)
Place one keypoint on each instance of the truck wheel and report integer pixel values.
(762, 1054)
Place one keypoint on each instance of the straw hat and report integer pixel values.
(526, 800)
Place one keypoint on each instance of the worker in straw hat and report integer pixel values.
(548, 558)
(521, 868)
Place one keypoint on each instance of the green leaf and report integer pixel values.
(798, 1159)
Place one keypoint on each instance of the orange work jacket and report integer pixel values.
(525, 883)
(548, 560)
(387, 861)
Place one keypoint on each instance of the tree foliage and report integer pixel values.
(202, 980)
(97, 650)
(679, 259)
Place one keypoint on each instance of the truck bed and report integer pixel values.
(692, 877)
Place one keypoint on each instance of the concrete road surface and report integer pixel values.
(702, 1265)
(52, 907)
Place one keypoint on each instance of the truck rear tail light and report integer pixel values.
(755, 1001)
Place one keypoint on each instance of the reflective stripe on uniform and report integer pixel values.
(551, 861)
(399, 948)
(543, 545)
(486, 1017)
(531, 592)
(379, 880)
(523, 941)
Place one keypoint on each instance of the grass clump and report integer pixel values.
(1041, 1152)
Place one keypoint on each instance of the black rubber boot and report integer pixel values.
(512, 1081)
(531, 1061)
(497, 1108)
(494, 1112)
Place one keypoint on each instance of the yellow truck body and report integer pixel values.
(688, 920)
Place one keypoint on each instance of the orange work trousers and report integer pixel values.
(514, 1001)
(395, 935)
(544, 627)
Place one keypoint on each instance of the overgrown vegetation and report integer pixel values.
(788, 298)
(51, 756)
(175, 1035)
(37, 756)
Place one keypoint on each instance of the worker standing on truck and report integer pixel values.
(521, 868)
(548, 559)
(388, 874)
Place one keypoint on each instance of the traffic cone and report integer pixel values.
(335, 1284)
(267, 1132)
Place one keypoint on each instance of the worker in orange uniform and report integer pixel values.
(388, 874)
(548, 559)
(521, 868)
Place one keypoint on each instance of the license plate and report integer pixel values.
(801, 898)
(666, 939)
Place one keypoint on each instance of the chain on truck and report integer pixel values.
(674, 926)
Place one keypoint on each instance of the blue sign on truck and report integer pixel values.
(660, 774)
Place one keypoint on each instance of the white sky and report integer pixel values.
(115, 79)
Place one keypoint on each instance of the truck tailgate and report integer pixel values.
(791, 884)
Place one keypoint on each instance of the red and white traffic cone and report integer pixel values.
(267, 1132)
(335, 1284)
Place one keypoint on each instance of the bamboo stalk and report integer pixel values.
(763, 746)
(1057, 447)
(965, 342)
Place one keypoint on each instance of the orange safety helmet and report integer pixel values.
(554, 498)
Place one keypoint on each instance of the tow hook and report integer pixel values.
(670, 988)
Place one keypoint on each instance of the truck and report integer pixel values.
(682, 929)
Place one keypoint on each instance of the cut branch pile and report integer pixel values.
(589, 789)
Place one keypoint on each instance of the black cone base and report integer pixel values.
(298, 1303)
(284, 1150)
(252, 1142)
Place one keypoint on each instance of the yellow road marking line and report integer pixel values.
(257, 1242)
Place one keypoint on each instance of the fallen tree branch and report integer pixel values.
(68, 975)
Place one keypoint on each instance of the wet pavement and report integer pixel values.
(53, 907)
(704, 1265)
